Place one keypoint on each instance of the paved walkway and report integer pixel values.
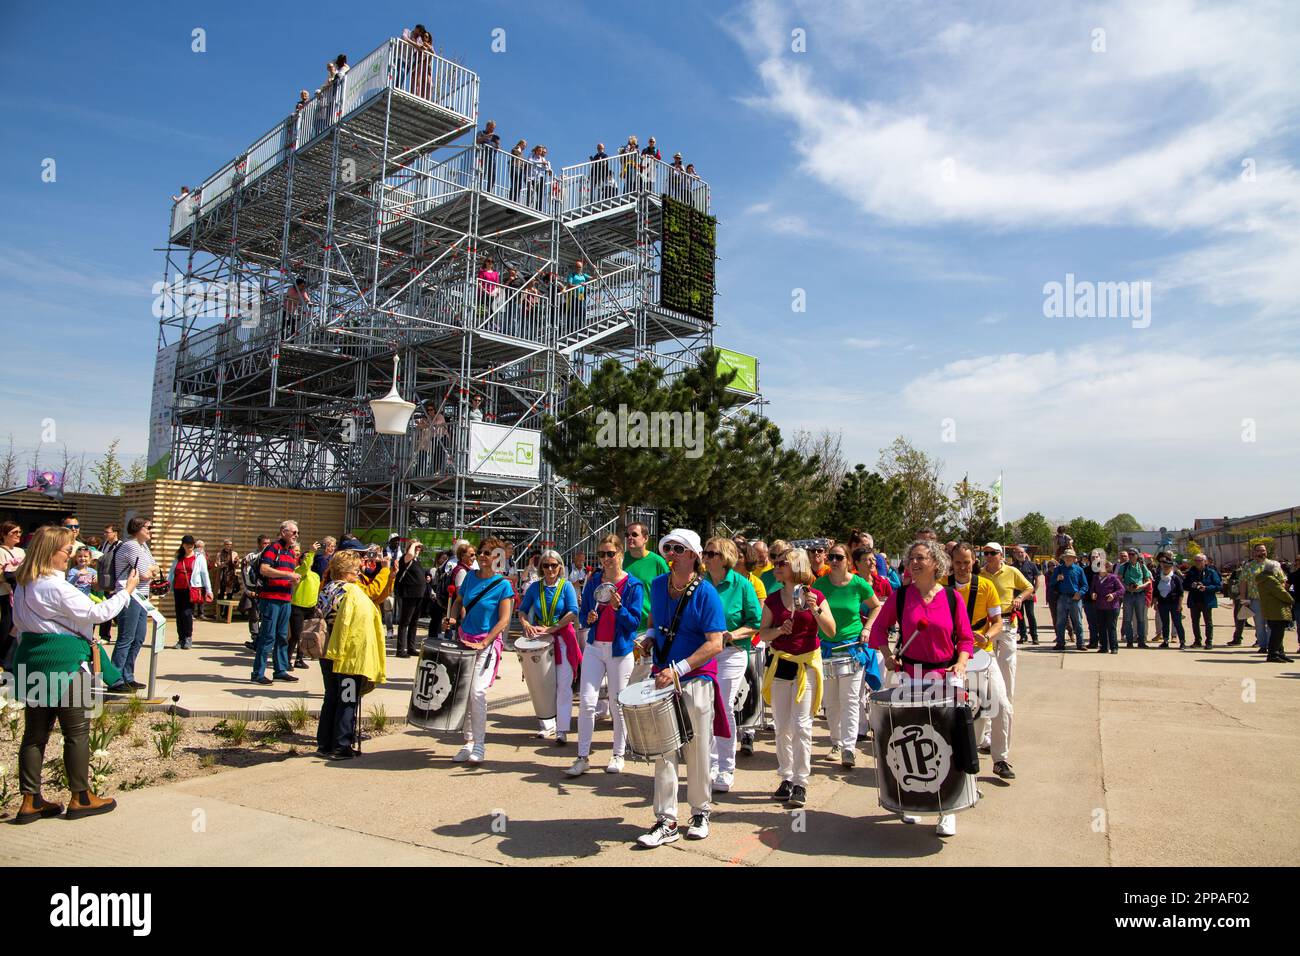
(1141, 758)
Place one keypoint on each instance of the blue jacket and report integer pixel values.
(626, 621)
(1175, 590)
(1213, 582)
(1075, 580)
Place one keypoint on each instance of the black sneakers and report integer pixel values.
(798, 796)
(783, 792)
(1003, 770)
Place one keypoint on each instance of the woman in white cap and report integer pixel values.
(690, 626)
(612, 602)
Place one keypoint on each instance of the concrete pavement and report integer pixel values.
(1142, 758)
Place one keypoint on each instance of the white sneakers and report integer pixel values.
(723, 781)
(946, 827)
(477, 755)
(561, 739)
(664, 831)
(464, 753)
(699, 827)
(578, 768)
(615, 764)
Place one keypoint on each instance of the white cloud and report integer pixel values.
(1092, 431)
(1014, 123)
(864, 343)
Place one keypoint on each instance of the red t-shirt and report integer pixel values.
(605, 623)
(183, 571)
(804, 636)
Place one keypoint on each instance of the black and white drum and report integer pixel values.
(655, 719)
(920, 763)
(749, 697)
(444, 676)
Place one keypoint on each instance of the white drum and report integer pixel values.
(841, 666)
(537, 657)
(977, 678)
(655, 720)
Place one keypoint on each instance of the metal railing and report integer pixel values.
(395, 63)
(627, 175)
(517, 179)
(597, 301)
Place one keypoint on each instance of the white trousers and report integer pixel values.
(732, 663)
(697, 694)
(563, 718)
(794, 725)
(485, 662)
(598, 662)
(842, 697)
(995, 714)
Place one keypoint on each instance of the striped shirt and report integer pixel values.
(132, 554)
(279, 556)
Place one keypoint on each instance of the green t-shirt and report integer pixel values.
(645, 570)
(739, 603)
(846, 606)
(769, 580)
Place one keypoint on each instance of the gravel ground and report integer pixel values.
(135, 755)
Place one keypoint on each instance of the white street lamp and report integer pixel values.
(392, 412)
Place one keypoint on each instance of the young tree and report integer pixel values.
(10, 469)
(924, 501)
(108, 471)
(1087, 535)
(972, 514)
(138, 472)
(1121, 524)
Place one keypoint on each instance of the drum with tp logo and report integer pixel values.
(920, 759)
(655, 720)
(537, 657)
(444, 676)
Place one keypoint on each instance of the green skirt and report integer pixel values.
(56, 658)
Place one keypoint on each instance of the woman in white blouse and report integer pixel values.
(56, 646)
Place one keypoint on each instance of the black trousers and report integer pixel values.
(6, 625)
(1028, 620)
(1199, 611)
(337, 729)
(184, 616)
(435, 620)
(296, 616)
(74, 722)
(408, 622)
(1276, 631)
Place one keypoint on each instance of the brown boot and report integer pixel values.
(35, 808)
(87, 804)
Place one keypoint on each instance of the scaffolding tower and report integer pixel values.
(361, 228)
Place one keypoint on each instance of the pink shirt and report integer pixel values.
(932, 625)
(605, 623)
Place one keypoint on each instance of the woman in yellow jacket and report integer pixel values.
(354, 655)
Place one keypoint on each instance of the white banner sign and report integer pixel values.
(504, 452)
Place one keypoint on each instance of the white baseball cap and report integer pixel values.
(683, 536)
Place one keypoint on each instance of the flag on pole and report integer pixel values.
(997, 493)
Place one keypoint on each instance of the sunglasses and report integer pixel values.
(674, 549)
(817, 550)
(835, 557)
(606, 554)
(710, 554)
(72, 527)
(780, 564)
(550, 567)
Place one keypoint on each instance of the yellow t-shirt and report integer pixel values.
(1009, 582)
(761, 591)
(986, 599)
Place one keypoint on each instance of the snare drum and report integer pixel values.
(655, 720)
(977, 678)
(918, 766)
(841, 666)
(440, 692)
(537, 658)
(749, 696)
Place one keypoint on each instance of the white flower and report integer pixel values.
(4, 771)
(99, 755)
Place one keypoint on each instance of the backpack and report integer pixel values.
(253, 579)
(105, 570)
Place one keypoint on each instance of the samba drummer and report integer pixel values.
(549, 608)
(482, 609)
(793, 618)
(743, 612)
(984, 609)
(690, 626)
(849, 597)
(612, 605)
(936, 640)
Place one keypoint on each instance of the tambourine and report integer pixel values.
(604, 593)
(799, 597)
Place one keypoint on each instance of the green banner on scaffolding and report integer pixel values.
(745, 366)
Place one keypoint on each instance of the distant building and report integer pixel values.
(1227, 540)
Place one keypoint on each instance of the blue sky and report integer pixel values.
(921, 171)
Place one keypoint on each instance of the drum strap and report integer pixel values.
(901, 602)
(548, 614)
(670, 635)
(971, 594)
